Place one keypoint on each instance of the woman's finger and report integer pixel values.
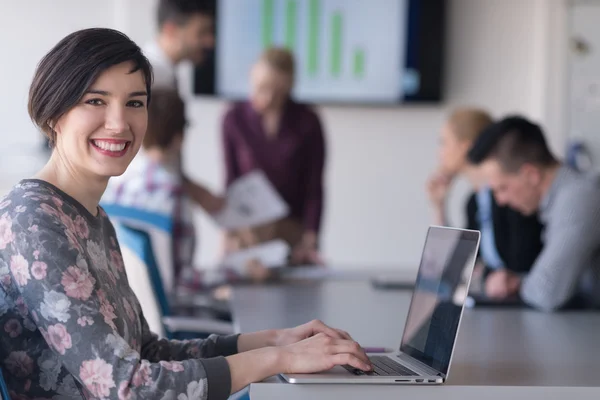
(349, 359)
(350, 347)
(344, 334)
(320, 327)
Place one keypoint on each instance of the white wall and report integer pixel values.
(502, 54)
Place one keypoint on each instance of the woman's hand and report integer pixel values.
(257, 272)
(438, 186)
(321, 353)
(314, 354)
(306, 251)
(284, 337)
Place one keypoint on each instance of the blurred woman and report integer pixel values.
(273, 133)
(72, 327)
(508, 238)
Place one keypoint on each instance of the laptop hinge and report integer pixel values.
(419, 366)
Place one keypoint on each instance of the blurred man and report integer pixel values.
(185, 32)
(524, 175)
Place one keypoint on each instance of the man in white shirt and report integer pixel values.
(185, 32)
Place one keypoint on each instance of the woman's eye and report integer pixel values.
(95, 102)
(135, 104)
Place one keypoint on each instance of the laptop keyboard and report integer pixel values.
(382, 366)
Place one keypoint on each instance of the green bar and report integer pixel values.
(267, 23)
(290, 24)
(336, 44)
(359, 63)
(313, 36)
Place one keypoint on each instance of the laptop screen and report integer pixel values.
(439, 295)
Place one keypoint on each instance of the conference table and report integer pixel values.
(501, 353)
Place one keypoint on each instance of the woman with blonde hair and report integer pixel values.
(508, 238)
(273, 133)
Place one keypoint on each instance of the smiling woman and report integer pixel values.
(70, 325)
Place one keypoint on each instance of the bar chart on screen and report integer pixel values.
(343, 49)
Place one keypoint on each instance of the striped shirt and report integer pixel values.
(569, 264)
(158, 189)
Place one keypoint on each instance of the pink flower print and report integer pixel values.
(124, 392)
(48, 209)
(142, 375)
(73, 240)
(174, 366)
(20, 269)
(6, 233)
(33, 228)
(101, 295)
(19, 364)
(59, 338)
(58, 202)
(4, 204)
(108, 311)
(116, 261)
(36, 254)
(38, 269)
(13, 328)
(97, 376)
(77, 283)
(83, 321)
(129, 310)
(81, 227)
(21, 306)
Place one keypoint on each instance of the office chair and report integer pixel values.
(145, 279)
(3, 388)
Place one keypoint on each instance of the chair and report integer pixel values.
(145, 280)
(3, 388)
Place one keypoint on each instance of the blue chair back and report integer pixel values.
(3, 388)
(140, 243)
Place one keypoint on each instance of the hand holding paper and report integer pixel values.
(250, 201)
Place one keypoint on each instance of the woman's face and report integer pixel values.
(269, 88)
(452, 151)
(102, 133)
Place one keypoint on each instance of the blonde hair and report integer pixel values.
(467, 123)
(280, 59)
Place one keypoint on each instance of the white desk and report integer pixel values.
(500, 354)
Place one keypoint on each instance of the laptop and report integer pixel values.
(433, 320)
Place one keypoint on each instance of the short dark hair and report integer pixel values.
(179, 11)
(166, 118)
(513, 142)
(71, 67)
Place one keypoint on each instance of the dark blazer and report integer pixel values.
(518, 237)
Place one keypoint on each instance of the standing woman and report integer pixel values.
(71, 325)
(273, 133)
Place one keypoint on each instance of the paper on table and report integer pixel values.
(271, 254)
(251, 200)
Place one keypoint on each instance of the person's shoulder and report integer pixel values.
(29, 196)
(306, 109)
(32, 207)
(577, 195)
(236, 108)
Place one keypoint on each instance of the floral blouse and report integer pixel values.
(71, 327)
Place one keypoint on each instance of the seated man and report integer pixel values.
(155, 183)
(519, 167)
